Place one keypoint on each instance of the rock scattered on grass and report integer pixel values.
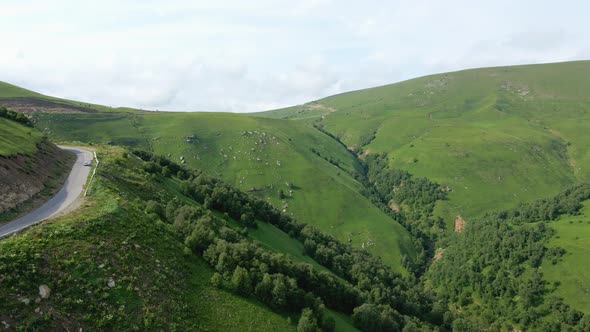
(44, 291)
(111, 283)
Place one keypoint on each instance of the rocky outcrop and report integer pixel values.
(44, 291)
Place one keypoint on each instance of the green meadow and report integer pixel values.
(571, 273)
(16, 138)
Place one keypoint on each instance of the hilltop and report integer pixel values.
(27, 101)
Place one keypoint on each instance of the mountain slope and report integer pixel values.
(31, 167)
(155, 283)
(495, 136)
(296, 168)
(27, 101)
(159, 246)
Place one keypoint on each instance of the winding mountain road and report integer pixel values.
(64, 198)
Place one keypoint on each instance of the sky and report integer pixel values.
(248, 56)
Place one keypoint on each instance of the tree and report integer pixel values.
(367, 317)
(411, 327)
(216, 280)
(247, 219)
(328, 323)
(584, 323)
(241, 281)
(152, 206)
(279, 292)
(264, 289)
(371, 317)
(307, 322)
(166, 171)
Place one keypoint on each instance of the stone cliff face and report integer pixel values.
(24, 177)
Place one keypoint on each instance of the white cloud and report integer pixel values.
(249, 56)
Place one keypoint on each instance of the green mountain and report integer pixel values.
(494, 136)
(469, 190)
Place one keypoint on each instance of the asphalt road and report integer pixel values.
(66, 196)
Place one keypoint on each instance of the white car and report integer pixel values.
(88, 163)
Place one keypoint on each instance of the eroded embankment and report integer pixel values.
(27, 180)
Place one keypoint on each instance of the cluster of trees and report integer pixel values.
(414, 199)
(328, 159)
(249, 270)
(567, 202)
(15, 116)
(418, 194)
(493, 268)
(361, 286)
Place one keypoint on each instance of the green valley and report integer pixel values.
(456, 201)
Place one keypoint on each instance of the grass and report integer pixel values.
(572, 274)
(273, 238)
(158, 285)
(258, 155)
(267, 235)
(9, 92)
(496, 136)
(16, 138)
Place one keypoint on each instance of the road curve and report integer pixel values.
(66, 196)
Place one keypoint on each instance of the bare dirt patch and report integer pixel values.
(318, 106)
(438, 254)
(32, 105)
(393, 206)
(364, 153)
(459, 224)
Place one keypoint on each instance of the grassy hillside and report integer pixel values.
(17, 138)
(112, 266)
(572, 274)
(8, 90)
(24, 100)
(32, 169)
(298, 169)
(495, 136)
